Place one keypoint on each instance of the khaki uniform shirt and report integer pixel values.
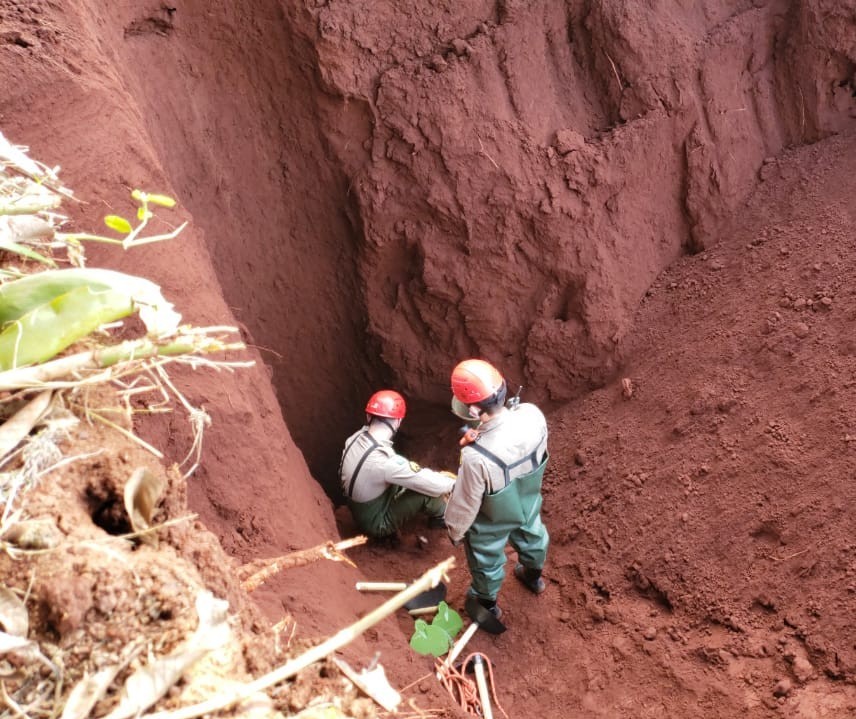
(511, 435)
(384, 467)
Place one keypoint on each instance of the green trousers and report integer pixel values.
(510, 516)
(386, 514)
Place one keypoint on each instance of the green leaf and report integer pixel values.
(143, 213)
(162, 200)
(120, 224)
(25, 251)
(139, 195)
(448, 619)
(48, 329)
(428, 639)
(21, 296)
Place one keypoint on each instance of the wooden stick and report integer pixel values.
(459, 646)
(380, 586)
(420, 611)
(255, 573)
(430, 579)
(484, 694)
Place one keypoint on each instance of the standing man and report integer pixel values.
(384, 489)
(497, 498)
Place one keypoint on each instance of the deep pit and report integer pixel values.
(579, 191)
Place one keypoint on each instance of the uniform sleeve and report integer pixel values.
(466, 499)
(399, 470)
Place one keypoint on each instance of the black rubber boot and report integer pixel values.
(530, 578)
(492, 607)
(438, 522)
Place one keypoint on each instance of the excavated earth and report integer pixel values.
(643, 212)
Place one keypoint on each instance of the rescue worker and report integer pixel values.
(384, 489)
(497, 498)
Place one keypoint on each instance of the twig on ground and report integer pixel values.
(615, 70)
(486, 154)
(157, 527)
(790, 556)
(11, 703)
(121, 430)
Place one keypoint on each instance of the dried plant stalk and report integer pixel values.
(427, 581)
(255, 573)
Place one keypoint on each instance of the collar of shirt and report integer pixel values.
(384, 442)
(494, 421)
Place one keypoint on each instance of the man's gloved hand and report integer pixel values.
(449, 474)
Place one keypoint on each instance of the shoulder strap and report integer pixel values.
(531, 457)
(493, 458)
(345, 453)
(375, 445)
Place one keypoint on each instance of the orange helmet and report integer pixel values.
(474, 381)
(386, 403)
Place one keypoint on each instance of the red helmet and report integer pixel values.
(475, 380)
(386, 403)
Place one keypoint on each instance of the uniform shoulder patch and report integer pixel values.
(415, 467)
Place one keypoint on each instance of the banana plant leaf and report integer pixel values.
(22, 296)
(49, 328)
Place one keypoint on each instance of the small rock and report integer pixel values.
(717, 265)
(596, 612)
(799, 303)
(826, 302)
(782, 688)
(801, 329)
(650, 633)
(784, 302)
(461, 47)
(568, 140)
(626, 388)
(424, 687)
(438, 63)
(816, 268)
(612, 615)
(685, 517)
(803, 669)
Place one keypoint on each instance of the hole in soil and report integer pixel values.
(108, 512)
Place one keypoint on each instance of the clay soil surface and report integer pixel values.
(699, 501)
(700, 512)
(702, 538)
